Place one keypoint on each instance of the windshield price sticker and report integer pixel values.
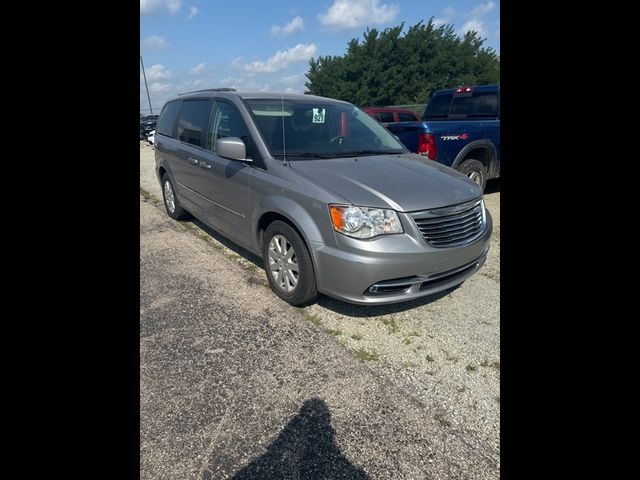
(318, 115)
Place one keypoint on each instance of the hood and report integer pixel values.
(405, 182)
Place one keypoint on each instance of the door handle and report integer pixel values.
(193, 160)
(205, 165)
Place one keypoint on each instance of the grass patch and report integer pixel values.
(335, 333)
(430, 358)
(451, 358)
(471, 368)
(485, 363)
(313, 319)
(356, 336)
(407, 341)
(251, 267)
(392, 325)
(365, 356)
(149, 197)
(414, 334)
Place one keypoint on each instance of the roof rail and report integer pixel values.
(221, 89)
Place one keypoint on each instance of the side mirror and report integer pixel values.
(233, 148)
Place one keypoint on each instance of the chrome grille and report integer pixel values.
(451, 226)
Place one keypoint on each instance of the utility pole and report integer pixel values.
(145, 84)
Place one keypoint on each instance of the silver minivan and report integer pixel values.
(329, 199)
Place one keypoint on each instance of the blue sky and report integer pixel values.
(266, 45)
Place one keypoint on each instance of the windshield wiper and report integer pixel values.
(368, 152)
(306, 155)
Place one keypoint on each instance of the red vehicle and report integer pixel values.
(391, 115)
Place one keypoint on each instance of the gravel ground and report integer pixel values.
(442, 351)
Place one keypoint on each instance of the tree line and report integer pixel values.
(391, 68)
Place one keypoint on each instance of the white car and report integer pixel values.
(151, 137)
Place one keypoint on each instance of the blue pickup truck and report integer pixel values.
(460, 128)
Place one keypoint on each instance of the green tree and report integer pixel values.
(392, 68)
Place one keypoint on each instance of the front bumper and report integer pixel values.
(398, 267)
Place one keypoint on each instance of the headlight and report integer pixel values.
(484, 212)
(364, 222)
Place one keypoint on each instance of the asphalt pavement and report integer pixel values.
(235, 383)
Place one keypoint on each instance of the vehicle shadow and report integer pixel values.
(337, 306)
(247, 255)
(306, 448)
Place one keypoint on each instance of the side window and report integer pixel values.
(194, 118)
(167, 120)
(406, 117)
(227, 122)
(386, 117)
(438, 106)
(483, 104)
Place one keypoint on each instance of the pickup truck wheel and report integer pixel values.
(475, 170)
(174, 210)
(288, 265)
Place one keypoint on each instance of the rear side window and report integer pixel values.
(438, 106)
(167, 120)
(386, 117)
(484, 104)
(194, 119)
(406, 117)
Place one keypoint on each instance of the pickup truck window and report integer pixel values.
(448, 106)
(438, 107)
(406, 117)
(484, 104)
(385, 117)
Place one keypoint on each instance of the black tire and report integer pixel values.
(305, 290)
(475, 170)
(177, 213)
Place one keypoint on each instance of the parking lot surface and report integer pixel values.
(235, 382)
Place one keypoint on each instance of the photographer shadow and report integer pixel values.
(305, 448)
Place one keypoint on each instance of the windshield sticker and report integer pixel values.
(318, 115)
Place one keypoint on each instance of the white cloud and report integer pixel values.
(193, 11)
(244, 84)
(476, 25)
(476, 20)
(447, 16)
(349, 14)
(198, 69)
(288, 80)
(482, 9)
(279, 61)
(155, 42)
(151, 6)
(157, 72)
(293, 26)
(158, 87)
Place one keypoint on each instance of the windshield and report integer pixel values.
(302, 129)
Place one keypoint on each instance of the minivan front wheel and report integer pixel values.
(174, 210)
(288, 264)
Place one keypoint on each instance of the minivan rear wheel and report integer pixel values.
(174, 210)
(288, 264)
